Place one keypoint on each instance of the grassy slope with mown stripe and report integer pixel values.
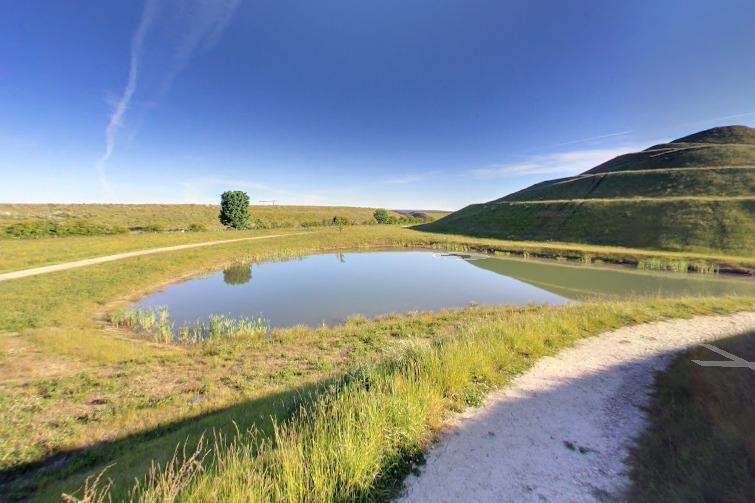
(716, 163)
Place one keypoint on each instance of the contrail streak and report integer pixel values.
(186, 26)
(116, 118)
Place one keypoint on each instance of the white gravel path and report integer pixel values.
(561, 432)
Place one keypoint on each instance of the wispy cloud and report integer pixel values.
(571, 162)
(593, 138)
(200, 24)
(715, 120)
(120, 107)
(410, 178)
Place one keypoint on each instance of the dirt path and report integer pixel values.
(561, 431)
(118, 256)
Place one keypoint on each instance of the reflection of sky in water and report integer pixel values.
(329, 288)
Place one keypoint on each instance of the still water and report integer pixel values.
(329, 288)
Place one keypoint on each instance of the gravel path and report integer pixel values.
(561, 432)
(118, 256)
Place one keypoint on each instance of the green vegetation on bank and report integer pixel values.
(699, 444)
(77, 394)
(39, 220)
(18, 255)
(357, 437)
(694, 194)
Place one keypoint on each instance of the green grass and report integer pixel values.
(71, 219)
(360, 436)
(18, 255)
(699, 445)
(70, 383)
(731, 181)
(23, 254)
(695, 195)
(692, 225)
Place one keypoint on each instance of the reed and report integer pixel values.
(157, 324)
(658, 264)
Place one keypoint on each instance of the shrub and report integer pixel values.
(197, 228)
(42, 228)
(383, 217)
(340, 222)
(234, 209)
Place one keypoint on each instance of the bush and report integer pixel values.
(43, 228)
(234, 209)
(197, 228)
(383, 217)
(340, 221)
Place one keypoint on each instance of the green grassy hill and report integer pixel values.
(696, 193)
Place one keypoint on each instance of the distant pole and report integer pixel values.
(271, 201)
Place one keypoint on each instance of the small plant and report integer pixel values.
(340, 222)
(234, 209)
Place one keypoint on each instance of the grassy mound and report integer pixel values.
(695, 193)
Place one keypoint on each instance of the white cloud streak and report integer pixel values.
(198, 24)
(593, 138)
(570, 163)
(119, 110)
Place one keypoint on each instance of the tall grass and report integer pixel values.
(678, 265)
(657, 264)
(157, 324)
(363, 434)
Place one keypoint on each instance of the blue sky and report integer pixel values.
(401, 104)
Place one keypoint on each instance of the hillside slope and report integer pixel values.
(696, 193)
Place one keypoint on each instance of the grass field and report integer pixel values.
(693, 194)
(178, 217)
(22, 254)
(78, 394)
(699, 446)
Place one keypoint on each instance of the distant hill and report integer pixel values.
(171, 217)
(696, 193)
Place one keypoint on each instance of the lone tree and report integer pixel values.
(234, 209)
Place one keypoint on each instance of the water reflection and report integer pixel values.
(237, 274)
(318, 289)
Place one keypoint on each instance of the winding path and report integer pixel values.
(118, 256)
(562, 431)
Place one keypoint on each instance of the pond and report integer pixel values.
(327, 289)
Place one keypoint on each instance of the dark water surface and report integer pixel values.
(329, 288)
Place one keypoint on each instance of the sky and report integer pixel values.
(405, 104)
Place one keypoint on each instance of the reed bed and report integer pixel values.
(157, 324)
